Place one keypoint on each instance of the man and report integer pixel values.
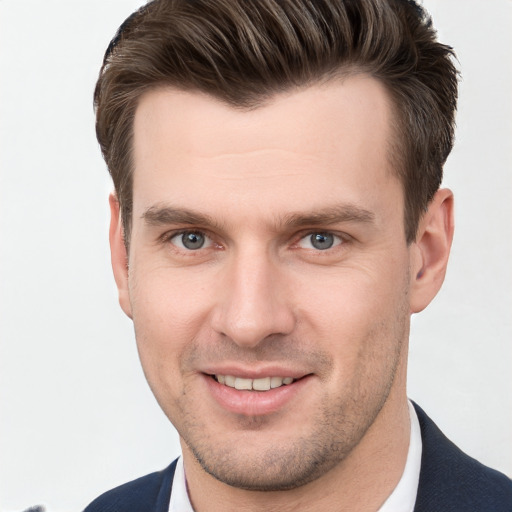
(276, 221)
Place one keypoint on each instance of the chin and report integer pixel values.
(275, 470)
(251, 460)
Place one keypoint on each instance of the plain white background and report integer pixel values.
(77, 416)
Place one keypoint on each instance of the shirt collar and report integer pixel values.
(403, 497)
(179, 495)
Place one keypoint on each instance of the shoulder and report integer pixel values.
(452, 480)
(150, 493)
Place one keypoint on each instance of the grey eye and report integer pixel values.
(190, 240)
(320, 241)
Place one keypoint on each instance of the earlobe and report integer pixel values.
(118, 255)
(429, 254)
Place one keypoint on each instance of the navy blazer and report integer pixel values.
(450, 481)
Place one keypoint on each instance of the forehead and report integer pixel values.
(325, 143)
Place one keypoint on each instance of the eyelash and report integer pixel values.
(337, 240)
(166, 238)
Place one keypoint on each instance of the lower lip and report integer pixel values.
(254, 403)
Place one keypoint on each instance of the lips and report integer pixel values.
(254, 395)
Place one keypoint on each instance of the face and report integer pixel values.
(269, 276)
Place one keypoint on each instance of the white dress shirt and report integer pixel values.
(402, 499)
(179, 495)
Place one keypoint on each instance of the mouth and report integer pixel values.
(260, 384)
(258, 396)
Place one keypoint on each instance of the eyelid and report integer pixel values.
(166, 238)
(179, 236)
(339, 239)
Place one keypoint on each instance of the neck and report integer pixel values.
(362, 481)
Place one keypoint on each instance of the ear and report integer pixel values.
(118, 255)
(431, 249)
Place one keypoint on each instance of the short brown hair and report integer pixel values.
(244, 51)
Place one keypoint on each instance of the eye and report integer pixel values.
(320, 241)
(191, 240)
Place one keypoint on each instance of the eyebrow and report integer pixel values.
(162, 215)
(330, 215)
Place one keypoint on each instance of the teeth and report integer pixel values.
(276, 382)
(243, 383)
(262, 384)
(229, 380)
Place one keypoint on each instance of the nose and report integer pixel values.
(254, 303)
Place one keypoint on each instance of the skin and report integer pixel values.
(259, 297)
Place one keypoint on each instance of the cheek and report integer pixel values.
(358, 313)
(354, 296)
(169, 313)
(168, 297)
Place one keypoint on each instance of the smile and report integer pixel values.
(265, 394)
(261, 384)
